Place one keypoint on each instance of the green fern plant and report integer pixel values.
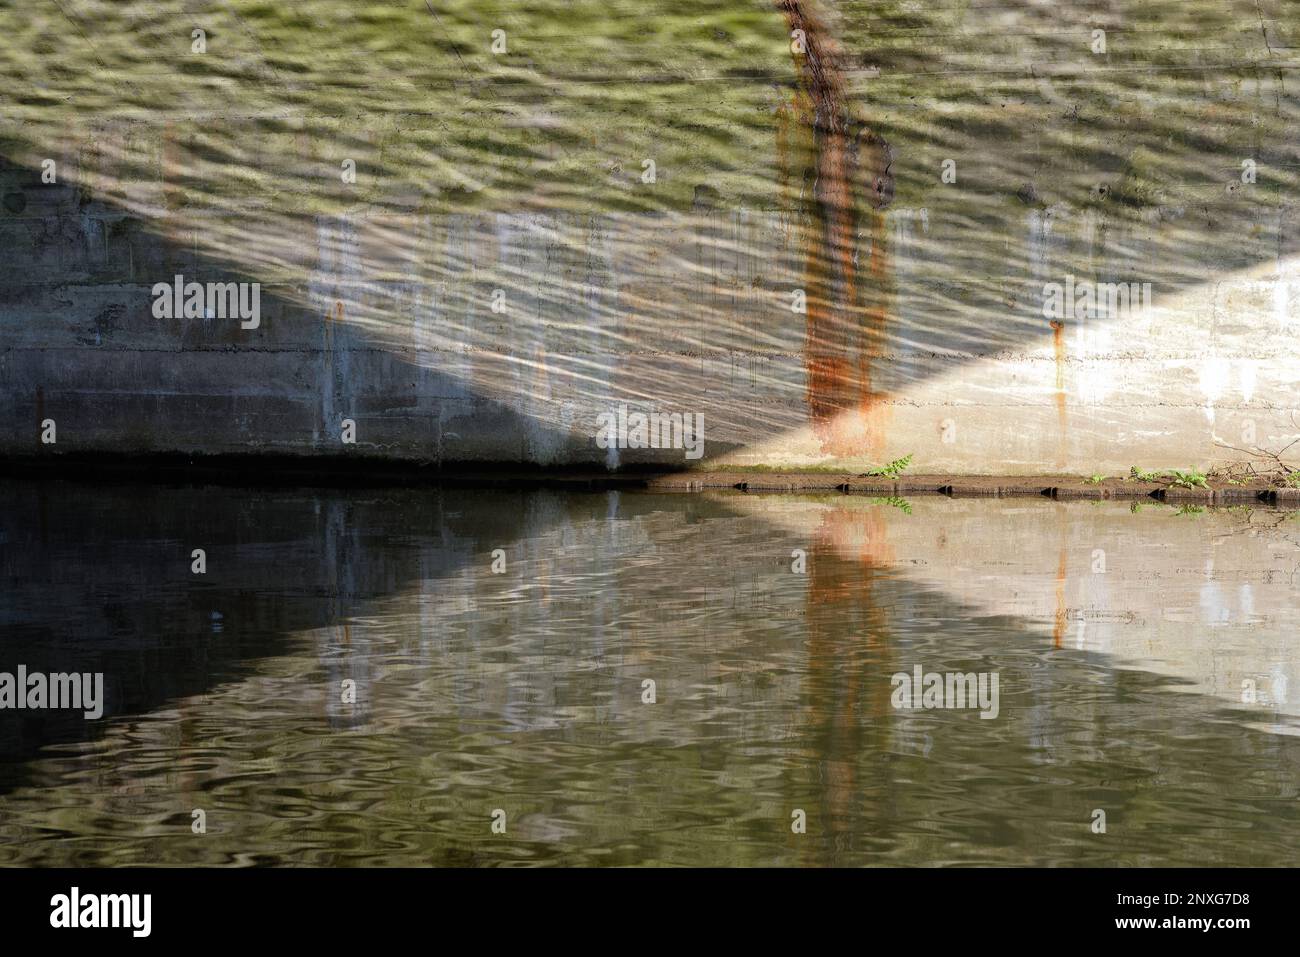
(893, 470)
(894, 502)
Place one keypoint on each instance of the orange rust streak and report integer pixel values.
(842, 339)
(1058, 628)
(848, 551)
(1062, 422)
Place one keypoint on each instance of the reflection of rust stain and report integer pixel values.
(1058, 628)
(857, 535)
(1058, 343)
(847, 627)
(843, 336)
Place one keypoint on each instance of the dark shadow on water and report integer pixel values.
(100, 580)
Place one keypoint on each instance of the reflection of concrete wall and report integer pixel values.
(523, 690)
(1208, 598)
(377, 302)
(99, 580)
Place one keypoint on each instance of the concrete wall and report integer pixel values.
(522, 173)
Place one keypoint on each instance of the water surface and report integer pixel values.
(1143, 658)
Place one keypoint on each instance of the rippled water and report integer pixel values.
(1143, 659)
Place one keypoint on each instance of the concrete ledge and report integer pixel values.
(363, 470)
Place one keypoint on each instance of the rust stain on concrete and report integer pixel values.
(40, 413)
(1062, 417)
(847, 158)
(173, 171)
(333, 317)
(792, 141)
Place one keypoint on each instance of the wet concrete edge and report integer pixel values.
(369, 471)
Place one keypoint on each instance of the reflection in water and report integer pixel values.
(1121, 689)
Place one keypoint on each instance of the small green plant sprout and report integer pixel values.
(1138, 475)
(1192, 478)
(893, 470)
(1095, 479)
(1292, 479)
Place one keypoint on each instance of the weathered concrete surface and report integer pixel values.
(923, 329)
